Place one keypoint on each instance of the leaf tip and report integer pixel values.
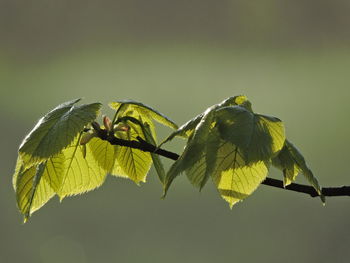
(26, 218)
(165, 191)
(74, 101)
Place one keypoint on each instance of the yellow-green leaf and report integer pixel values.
(235, 179)
(158, 165)
(187, 129)
(275, 128)
(144, 111)
(285, 162)
(32, 189)
(199, 172)
(56, 130)
(103, 153)
(54, 171)
(193, 152)
(18, 169)
(132, 163)
(300, 161)
(81, 173)
(257, 136)
(117, 170)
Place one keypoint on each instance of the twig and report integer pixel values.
(147, 147)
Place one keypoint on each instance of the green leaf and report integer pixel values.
(56, 130)
(249, 141)
(32, 190)
(258, 137)
(81, 173)
(199, 172)
(132, 163)
(193, 152)
(158, 165)
(300, 161)
(18, 169)
(291, 162)
(144, 111)
(145, 131)
(66, 173)
(239, 100)
(124, 161)
(103, 153)
(117, 170)
(235, 179)
(54, 171)
(187, 129)
(275, 128)
(285, 162)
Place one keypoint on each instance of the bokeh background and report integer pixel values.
(290, 57)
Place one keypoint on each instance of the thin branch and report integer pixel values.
(147, 147)
(306, 189)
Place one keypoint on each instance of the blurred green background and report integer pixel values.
(291, 58)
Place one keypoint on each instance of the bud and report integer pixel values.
(87, 137)
(107, 123)
(121, 127)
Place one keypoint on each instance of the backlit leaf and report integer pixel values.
(32, 190)
(133, 163)
(257, 136)
(300, 161)
(199, 172)
(235, 179)
(186, 129)
(193, 152)
(54, 171)
(18, 169)
(291, 162)
(144, 111)
(285, 162)
(158, 165)
(81, 173)
(275, 128)
(56, 130)
(103, 153)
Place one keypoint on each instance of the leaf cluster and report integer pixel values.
(236, 147)
(65, 153)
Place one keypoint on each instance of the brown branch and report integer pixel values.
(147, 147)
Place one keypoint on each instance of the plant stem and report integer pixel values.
(147, 147)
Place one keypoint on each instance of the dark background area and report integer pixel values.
(291, 58)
